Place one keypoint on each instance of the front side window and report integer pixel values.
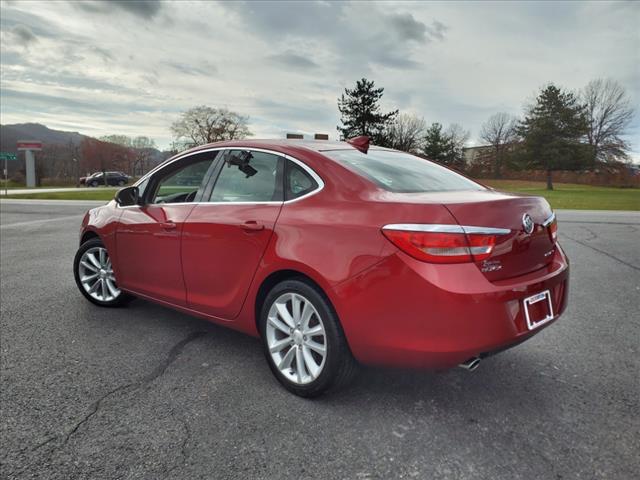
(249, 176)
(182, 182)
(401, 172)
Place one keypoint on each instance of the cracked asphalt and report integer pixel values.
(144, 392)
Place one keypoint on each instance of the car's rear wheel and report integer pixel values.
(303, 341)
(94, 275)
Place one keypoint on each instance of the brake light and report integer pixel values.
(442, 247)
(552, 225)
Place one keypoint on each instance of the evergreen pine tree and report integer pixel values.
(553, 132)
(361, 114)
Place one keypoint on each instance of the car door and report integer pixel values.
(97, 179)
(225, 237)
(148, 235)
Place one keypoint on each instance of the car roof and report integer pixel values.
(281, 145)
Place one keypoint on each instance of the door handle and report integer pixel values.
(168, 225)
(252, 226)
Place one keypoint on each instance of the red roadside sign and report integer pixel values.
(29, 145)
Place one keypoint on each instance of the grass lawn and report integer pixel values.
(571, 195)
(565, 195)
(105, 194)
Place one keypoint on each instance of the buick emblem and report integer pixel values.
(527, 223)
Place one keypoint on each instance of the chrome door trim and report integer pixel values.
(446, 228)
(300, 163)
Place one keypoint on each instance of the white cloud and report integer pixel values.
(131, 68)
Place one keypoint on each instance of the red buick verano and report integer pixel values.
(332, 253)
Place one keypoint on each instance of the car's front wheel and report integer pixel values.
(94, 275)
(93, 184)
(303, 341)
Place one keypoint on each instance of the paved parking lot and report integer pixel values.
(145, 392)
(20, 191)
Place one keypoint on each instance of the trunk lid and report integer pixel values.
(518, 252)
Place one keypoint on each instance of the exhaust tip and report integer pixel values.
(470, 364)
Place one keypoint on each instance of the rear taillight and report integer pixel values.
(442, 247)
(552, 226)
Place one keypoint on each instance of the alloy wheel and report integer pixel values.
(296, 338)
(96, 275)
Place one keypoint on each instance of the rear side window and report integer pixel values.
(298, 182)
(401, 172)
(249, 176)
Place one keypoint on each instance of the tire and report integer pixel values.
(93, 184)
(107, 293)
(121, 183)
(285, 346)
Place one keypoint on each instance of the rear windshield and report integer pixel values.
(401, 172)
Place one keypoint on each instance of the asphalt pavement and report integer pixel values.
(21, 191)
(144, 392)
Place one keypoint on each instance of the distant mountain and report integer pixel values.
(57, 165)
(10, 134)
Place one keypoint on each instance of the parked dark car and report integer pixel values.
(113, 178)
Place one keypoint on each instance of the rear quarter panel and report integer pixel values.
(334, 235)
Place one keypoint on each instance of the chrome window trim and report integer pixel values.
(313, 175)
(170, 162)
(303, 165)
(202, 203)
(549, 220)
(445, 228)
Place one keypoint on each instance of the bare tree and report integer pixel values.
(407, 133)
(144, 149)
(458, 136)
(141, 151)
(609, 113)
(200, 125)
(123, 140)
(499, 132)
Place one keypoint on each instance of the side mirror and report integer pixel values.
(127, 196)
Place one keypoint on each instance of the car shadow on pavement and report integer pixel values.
(511, 380)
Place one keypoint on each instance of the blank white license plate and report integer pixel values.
(538, 309)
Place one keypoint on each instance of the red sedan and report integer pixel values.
(332, 253)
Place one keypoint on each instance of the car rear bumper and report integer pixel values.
(406, 313)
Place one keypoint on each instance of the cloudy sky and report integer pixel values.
(131, 68)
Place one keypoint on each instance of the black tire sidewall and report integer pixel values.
(92, 243)
(335, 343)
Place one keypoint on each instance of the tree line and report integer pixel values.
(67, 162)
(560, 130)
(132, 155)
